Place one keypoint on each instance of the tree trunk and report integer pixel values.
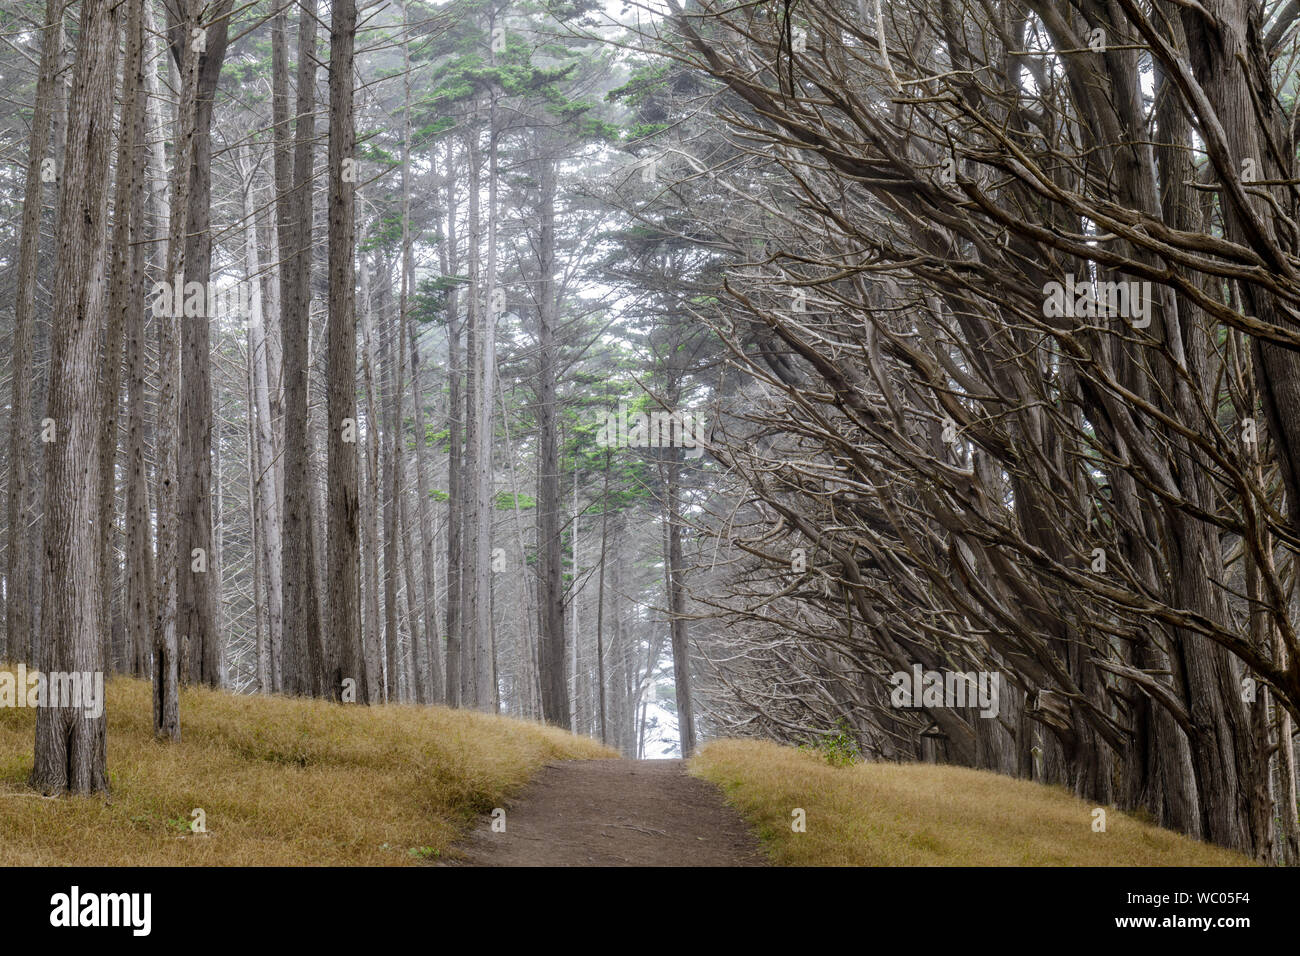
(70, 750)
(266, 463)
(344, 506)
(139, 597)
(455, 481)
(371, 499)
(433, 680)
(677, 608)
(429, 604)
(415, 670)
(600, 598)
(573, 601)
(392, 482)
(302, 622)
(19, 629)
(196, 594)
(121, 299)
(484, 637)
(166, 662)
(415, 661)
(470, 604)
(550, 572)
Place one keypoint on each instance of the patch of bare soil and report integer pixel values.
(615, 813)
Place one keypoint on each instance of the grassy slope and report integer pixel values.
(926, 815)
(282, 781)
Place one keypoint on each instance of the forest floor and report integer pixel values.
(752, 803)
(614, 813)
(808, 813)
(273, 781)
(280, 781)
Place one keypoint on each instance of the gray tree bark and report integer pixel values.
(343, 502)
(70, 750)
(20, 640)
(123, 297)
(370, 501)
(550, 571)
(455, 466)
(139, 598)
(200, 638)
(301, 610)
(266, 463)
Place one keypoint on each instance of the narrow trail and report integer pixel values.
(615, 813)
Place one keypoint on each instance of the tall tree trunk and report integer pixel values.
(677, 607)
(415, 661)
(267, 464)
(196, 591)
(271, 313)
(573, 601)
(600, 597)
(138, 598)
(126, 225)
(70, 750)
(19, 624)
(455, 481)
(433, 680)
(302, 620)
(214, 568)
(261, 642)
(429, 604)
(392, 482)
(166, 662)
(1289, 830)
(526, 699)
(41, 331)
(324, 655)
(344, 505)
(485, 507)
(415, 670)
(470, 604)
(550, 572)
(371, 499)
(1224, 47)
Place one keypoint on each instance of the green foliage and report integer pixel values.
(508, 502)
(429, 304)
(431, 130)
(385, 232)
(642, 131)
(837, 747)
(644, 83)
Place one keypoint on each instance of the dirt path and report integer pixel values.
(615, 813)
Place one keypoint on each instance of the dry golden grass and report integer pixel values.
(881, 814)
(281, 781)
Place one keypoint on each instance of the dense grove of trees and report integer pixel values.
(1088, 493)
(344, 307)
(705, 365)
